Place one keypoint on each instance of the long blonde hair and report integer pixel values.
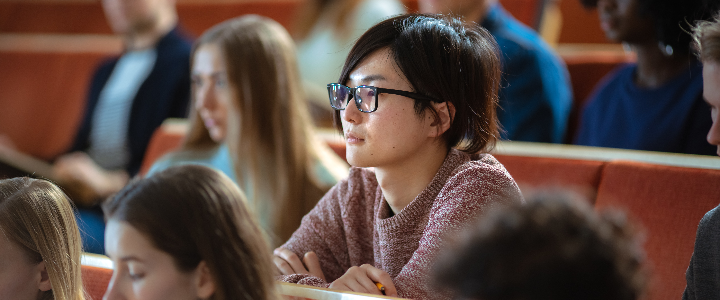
(270, 134)
(38, 216)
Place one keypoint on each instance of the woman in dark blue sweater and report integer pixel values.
(655, 104)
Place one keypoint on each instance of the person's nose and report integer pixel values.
(351, 113)
(113, 291)
(205, 98)
(713, 136)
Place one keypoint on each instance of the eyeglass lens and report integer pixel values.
(364, 97)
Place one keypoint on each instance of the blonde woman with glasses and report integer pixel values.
(39, 242)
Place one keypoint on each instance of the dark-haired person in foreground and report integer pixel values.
(416, 101)
(554, 247)
(703, 274)
(186, 233)
(656, 103)
(535, 94)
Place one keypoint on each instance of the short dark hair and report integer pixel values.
(554, 247)
(445, 59)
(195, 213)
(673, 18)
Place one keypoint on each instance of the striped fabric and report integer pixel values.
(108, 135)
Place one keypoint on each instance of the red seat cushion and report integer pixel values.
(668, 202)
(95, 281)
(532, 173)
(165, 139)
(43, 97)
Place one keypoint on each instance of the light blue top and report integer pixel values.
(328, 170)
(217, 158)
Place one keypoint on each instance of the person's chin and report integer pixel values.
(217, 136)
(356, 159)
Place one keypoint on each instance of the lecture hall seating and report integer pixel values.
(45, 80)
(86, 17)
(43, 97)
(96, 273)
(669, 203)
(666, 194)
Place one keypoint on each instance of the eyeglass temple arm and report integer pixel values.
(408, 94)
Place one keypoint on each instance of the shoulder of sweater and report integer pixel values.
(360, 182)
(481, 162)
(479, 168)
(361, 176)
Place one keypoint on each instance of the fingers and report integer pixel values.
(312, 263)
(291, 259)
(354, 280)
(362, 280)
(367, 284)
(378, 275)
(282, 266)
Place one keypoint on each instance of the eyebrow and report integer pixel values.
(373, 77)
(130, 258)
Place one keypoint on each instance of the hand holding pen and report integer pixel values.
(366, 279)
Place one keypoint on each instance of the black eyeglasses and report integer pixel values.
(365, 96)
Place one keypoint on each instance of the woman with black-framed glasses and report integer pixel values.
(425, 90)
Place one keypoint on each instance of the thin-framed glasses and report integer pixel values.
(365, 96)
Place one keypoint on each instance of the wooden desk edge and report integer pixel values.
(306, 291)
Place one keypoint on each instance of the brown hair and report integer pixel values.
(706, 37)
(444, 59)
(36, 215)
(337, 13)
(195, 214)
(553, 247)
(270, 134)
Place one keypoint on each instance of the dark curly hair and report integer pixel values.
(554, 247)
(674, 19)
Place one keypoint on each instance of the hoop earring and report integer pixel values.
(666, 49)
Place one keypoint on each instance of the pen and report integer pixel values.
(380, 287)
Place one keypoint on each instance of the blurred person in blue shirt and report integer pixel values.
(535, 95)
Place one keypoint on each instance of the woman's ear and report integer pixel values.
(204, 281)
(44, 282)
(445, 115)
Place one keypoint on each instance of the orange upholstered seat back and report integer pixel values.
(165, 139)
(95, 281)
(43, 97)
(533, 173)
(668, 202)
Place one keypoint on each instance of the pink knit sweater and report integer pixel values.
(352, 224)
